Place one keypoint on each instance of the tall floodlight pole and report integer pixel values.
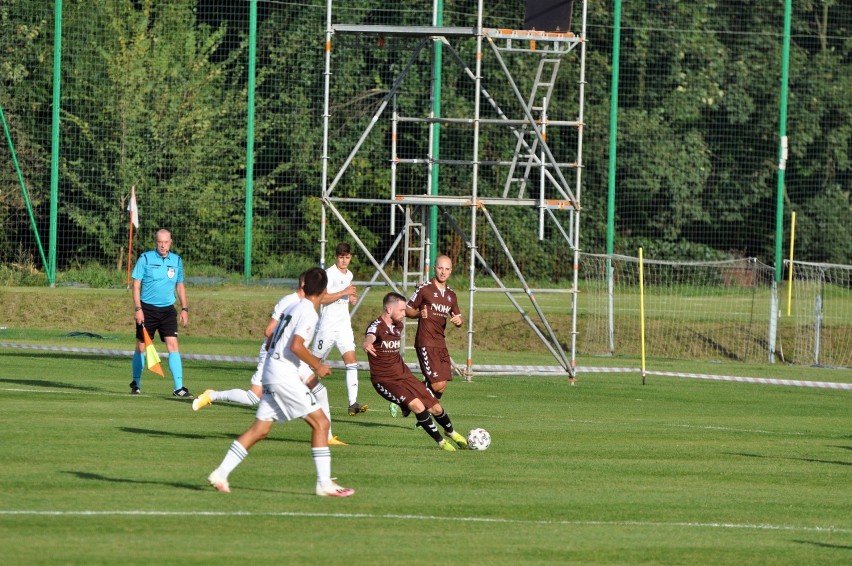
(54, 143)
(252, 56)
(613, 153)
(782, 167)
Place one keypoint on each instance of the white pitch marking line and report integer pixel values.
(681, 425)
(764, 527)
(58, 392)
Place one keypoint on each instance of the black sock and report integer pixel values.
(424, 420)
(444, 420)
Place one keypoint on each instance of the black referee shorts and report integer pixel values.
(158, 319)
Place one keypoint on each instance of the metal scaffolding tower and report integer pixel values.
(536, 178)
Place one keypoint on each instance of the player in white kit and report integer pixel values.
(335, 325)
(285, 397)
(252, 395)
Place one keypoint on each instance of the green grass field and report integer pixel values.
(610, 471)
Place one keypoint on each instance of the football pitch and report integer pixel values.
(608, 471)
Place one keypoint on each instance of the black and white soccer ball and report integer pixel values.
(478, 439)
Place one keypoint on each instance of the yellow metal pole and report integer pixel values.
(790, 273)
(642, 311)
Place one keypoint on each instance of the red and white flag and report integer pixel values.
(131, 206)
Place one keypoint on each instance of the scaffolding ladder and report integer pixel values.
(415, 266)
(541, 93)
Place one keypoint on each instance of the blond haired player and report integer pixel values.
(433, 304)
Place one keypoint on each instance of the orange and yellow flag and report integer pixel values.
(151, 356)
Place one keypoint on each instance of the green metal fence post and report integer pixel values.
(50, 269)
(438, 20)
(252, 56)
(779, 194)
(613, 152)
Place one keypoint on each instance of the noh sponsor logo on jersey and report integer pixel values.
(443, 309)
(390, 344)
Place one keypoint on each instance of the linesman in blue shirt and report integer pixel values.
(157, 278)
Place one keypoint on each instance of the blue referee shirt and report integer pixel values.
(159, 276)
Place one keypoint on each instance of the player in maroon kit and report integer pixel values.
(433, 303)
(393, 380)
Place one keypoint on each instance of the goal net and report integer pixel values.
(698, 310)
(819, 328)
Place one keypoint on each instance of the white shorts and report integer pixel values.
(334, 334)
(305, 370)
(286, 401)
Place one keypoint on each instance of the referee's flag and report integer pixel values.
(132, 208)
(151, 357)
(134, 221)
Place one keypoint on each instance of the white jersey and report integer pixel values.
(299, 319)
(279, 308)
(338, 311)
(282, 305)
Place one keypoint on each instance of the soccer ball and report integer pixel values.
(478, 439)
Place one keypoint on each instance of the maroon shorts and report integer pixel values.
(402, 390)
(435, 364)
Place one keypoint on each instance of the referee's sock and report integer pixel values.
(176, 367)
(137, 366)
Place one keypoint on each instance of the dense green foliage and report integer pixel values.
(154, 95)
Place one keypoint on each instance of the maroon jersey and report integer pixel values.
(442, 305)
(387, 363)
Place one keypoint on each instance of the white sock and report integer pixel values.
(352, 382)
(321, 393)
(322, 461)
(240, 396)
(235, 455)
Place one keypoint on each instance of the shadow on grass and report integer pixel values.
(164, 433)
(823, 544)
(51, 384)
(814, 460)
(407, 424)
(151, 433)
(99, 477)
